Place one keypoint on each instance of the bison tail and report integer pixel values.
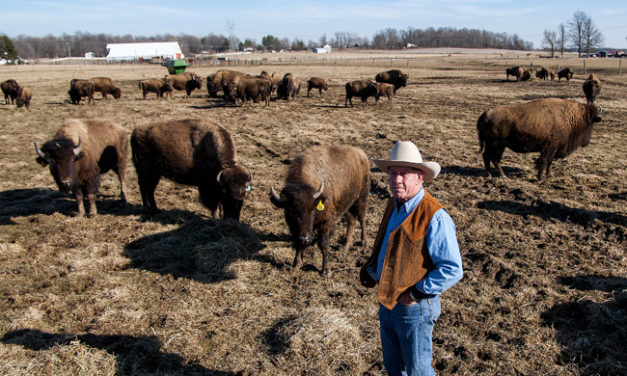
(481, 132)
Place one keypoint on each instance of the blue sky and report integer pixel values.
(306, 20)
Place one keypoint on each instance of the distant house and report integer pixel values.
(322, 50)
(143, 51)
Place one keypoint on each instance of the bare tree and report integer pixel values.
(561, 30)
(550, 40)
(582, 33)
(592, 36)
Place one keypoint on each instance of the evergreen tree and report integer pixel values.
(7, 49)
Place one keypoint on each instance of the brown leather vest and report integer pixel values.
(407, 259)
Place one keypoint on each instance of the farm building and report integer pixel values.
(322, 50)
(143, 51)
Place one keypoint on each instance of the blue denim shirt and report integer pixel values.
(441, 243)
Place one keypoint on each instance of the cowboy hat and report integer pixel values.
(406, 154)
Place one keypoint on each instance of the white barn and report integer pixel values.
(143, 51)
(322, 50)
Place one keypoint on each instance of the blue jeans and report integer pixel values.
(406, 337)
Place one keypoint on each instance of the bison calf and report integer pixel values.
(316, 83)
(553, 127)
(324, 184)
(192, 152)
(386, 90)
(79, 152)
(591, 88)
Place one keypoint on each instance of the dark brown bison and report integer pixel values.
(289, 87)
(215, 80)
(246, 88)
(517, 72)
(192, 152)
(187, 81)
(543, 73)
(553, 127)
(591, 88)
(363, 89)
(9, 88)
(81, 88)
(386, 90)
(79, 152)
(158, 87)
(322, 185)
(105, 86)
(394, 77)
(566, 73)
(23, 98)
(317, 83)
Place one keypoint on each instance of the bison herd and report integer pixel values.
(322, 185)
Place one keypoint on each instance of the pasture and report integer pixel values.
(181, 293)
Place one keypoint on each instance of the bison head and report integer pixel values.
(117, 93)
(60, 155)
(301, 204)
(234, 184)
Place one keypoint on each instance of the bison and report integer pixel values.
(566, 73)
(553, 127)
(9, 88)
(545, 74)
(245, 88)
(592, 88)
(394, 77)
(363, 89)
(215, 80)
(79, 152)
(80, 89)
(158, 87)
(289, 87)
(187, 81)
(386, 90)
(316, 83)
(192, 152)
(517, 72)
(106, 86)
(23, 98)
(322, 185)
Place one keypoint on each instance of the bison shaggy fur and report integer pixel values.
(105, 86)
(81, 88)
(553, 127)
(9, 89)
(591, 88)
(322, 185)
(566, 73)
(363, 89)
(394, 77)
(80, 152)
(23, 98)
(193, 152)
(317, 83)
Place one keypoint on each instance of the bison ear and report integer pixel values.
(277, 200)
(596, 119)
(42, 161)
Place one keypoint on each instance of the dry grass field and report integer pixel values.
(181, 293)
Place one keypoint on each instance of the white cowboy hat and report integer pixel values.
(406, 154)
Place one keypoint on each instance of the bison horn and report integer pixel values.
(219, 176)
(39, 152)
(319, 192)
(274, 195)
(77, 149)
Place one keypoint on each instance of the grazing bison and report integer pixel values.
(566, 73)
(386, 90)
(23, 98)
(363, 89)
(158, 87)
(105, 86)
(517, 72)
(545, 74)
(79, 152)
(80, 89)
(187, 81)
(289, 87)
(247, 88)
(192, 152)
(317, 83)
(9, 88)
(553, 127)
(322, 185)
(394, 77)
(215, 80)
(592, 88)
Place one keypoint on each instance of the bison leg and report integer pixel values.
(298, 259)
(350, 229)
(544, 162)
(493, 154)
(91, 199)
(324, 247)
(78, 194)
(147, 185)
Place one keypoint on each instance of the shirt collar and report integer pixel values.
(411, 204)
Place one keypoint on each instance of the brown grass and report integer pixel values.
(544, 291)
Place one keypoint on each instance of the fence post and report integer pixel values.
(620, 66)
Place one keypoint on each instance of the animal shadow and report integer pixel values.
(134, 355)
(554, 210)
(201, 249)
(463, 171)
(592, 334)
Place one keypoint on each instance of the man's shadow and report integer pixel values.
(134, 355)
(593, 334)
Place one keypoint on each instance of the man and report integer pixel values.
(415, 258)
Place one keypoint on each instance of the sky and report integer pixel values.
(306, 19)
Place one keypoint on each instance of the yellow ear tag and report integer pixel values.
(320, 206)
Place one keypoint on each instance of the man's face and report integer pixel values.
(405, 182)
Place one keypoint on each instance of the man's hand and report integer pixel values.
(406, 299)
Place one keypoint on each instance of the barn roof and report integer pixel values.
(135, 51)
